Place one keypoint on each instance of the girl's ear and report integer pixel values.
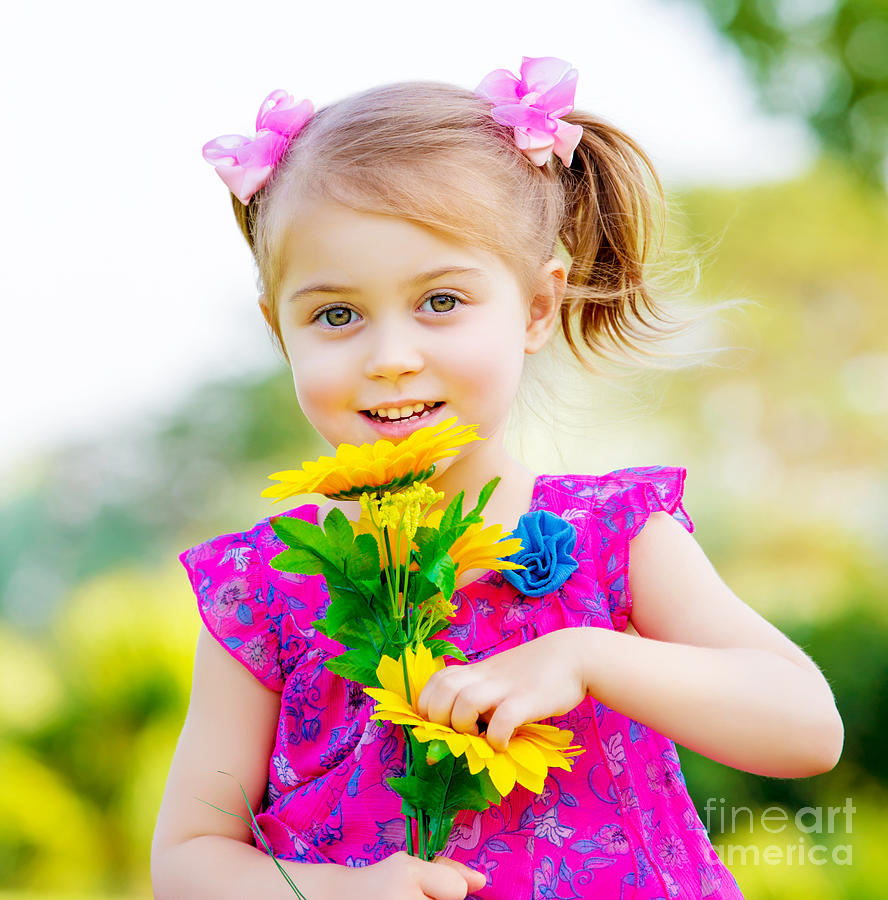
(545, 304)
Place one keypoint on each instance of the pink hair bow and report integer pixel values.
(245, 164)
(533, 104)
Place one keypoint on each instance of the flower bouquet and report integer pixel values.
(390, 577)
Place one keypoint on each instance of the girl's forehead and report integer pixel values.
(324, 238)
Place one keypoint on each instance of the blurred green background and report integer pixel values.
(784, 437)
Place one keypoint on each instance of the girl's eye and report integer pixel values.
(451, 299)
(334, 316)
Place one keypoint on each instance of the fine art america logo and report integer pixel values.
(815, 821)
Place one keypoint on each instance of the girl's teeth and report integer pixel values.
(404, 412)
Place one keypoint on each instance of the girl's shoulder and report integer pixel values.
(242, 599)
(620, 501)
(608, 511)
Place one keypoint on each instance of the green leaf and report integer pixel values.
(444, 787)
(484, 496)
(407, 808)
(321, 626)
(453, 513)
(362, 559)
(339, 533)
(300, 561)
(347, 608)
(361, 633)
(421, 589)
(394, 646)
(445, 648)
(418, 793)
(466, 791)
(436, 751)
(357, 665)
(443, 574)
(428, 544)
(444, 829)
(297, 532)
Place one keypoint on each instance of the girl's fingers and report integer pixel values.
(443, 882)
(475, 879)
(505, 719)
(439, 707)
(469, 705)
(436, 699)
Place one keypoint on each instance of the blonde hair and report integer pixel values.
(432, 154)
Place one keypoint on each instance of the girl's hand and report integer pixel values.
(532, 681)
(405, 877)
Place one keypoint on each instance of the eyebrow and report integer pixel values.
(431, 275)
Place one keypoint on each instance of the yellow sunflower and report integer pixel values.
(532, 751)
(375, 467)
(480, 547)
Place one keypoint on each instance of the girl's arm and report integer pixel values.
(703, 669)
(708, 671)
(199, 852)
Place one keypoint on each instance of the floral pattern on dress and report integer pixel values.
(620, 824)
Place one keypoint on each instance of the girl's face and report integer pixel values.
(390, 327)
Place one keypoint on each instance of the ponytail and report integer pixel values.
(607, 230)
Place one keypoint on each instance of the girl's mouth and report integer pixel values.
(402, 427)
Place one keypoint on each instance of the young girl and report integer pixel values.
(410, 245)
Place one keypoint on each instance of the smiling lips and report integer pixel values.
(401, 413)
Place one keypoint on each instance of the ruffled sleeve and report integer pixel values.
(228, 578)
(624, 502)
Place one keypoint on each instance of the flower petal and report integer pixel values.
(502, 773)
(391, 676)
(424, 667)
(533, 781)
(526, 754)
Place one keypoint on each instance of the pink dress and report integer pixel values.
(620, 825)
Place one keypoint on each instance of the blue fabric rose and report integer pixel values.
(547, 542)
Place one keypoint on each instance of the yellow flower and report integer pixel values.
(374, 467)
(532, 751)
(391, 512)
(479, 547)
(403, 509)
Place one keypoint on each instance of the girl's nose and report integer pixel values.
(393, 352)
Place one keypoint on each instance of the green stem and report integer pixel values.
(391, 571)
(406, 678)
(436, 836)
(421, 835)
(408, 770)
(259, 832)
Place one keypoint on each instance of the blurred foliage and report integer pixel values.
(785, 441)
(826, 60)
(106, 503)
